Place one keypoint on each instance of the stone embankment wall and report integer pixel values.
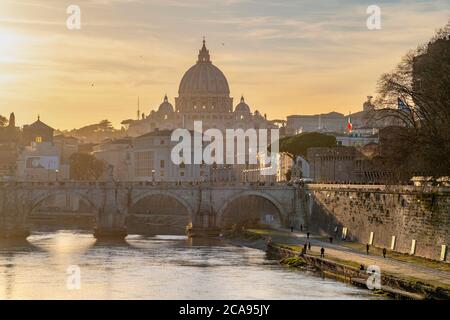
(407, 219)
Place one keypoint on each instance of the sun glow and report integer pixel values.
(9, 45)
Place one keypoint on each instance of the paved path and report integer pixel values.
(391, 266)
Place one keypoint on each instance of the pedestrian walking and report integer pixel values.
(307, 235)
(305, 246)
(331, 239)
(384, 253)
(367, 249)
(322, 252)
(301, 227)
(292, 228)
(309, 246)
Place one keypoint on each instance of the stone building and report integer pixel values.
(118, 154)
(150, 160)
(203, 94)
(43, 156)
(337, 122)
(41, 161)
(345, 164)
(37, 132)
(67, 146)
(332, 164)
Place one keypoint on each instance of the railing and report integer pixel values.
(163, 184)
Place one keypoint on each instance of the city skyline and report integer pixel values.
(291, 59)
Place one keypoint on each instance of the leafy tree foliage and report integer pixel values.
(3, 121)
(298, 145)
(86, 167)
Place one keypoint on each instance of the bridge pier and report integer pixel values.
(12, 224)
(111, 214)
(204, 225)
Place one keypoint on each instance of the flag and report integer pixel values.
(349, 124)
(401, 105)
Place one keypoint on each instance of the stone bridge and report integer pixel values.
(112, 202)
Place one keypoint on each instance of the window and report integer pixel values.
(143, 164)
(161, 173)
(182, 165)
(182, 173)
(161, 163)
(39, 139)
(162, 142)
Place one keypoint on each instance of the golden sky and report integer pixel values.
(286, 57)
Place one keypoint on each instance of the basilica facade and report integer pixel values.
(203, 94)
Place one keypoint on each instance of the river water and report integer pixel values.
(168, 267)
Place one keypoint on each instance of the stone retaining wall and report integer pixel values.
(419, 215)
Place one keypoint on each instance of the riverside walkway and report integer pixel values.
(350, 253)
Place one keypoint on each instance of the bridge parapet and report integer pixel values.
(112, 201)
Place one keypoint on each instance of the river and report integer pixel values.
(162, 267)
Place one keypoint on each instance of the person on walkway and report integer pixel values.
(292, 228)
(384, 253)
(303, 252)
(367, 249)
(305, 246)
(307, 235)
(301, 227)
(331, 239)
(309, 246)
(322, 252)
(361, 267)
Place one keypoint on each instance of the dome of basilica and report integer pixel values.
(242, 107)
(165, 107)
(204, 79)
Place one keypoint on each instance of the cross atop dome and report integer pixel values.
(203, 55)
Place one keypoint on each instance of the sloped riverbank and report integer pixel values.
(347, 271)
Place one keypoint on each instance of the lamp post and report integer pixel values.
(153, 175)
(56, 174)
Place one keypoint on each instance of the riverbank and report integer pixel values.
(399, 280)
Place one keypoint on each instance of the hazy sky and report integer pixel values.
(286, 57)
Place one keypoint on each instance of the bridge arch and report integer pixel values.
(252, 193)
(159, 212)
(35, 203)
(171, 195)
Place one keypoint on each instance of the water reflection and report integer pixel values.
(160, 267)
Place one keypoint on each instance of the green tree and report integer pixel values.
(299, 144)
(3, 121)
(86, 167)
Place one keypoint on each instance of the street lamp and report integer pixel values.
(153, 175)
(56, 173)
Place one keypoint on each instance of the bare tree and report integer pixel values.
(416, 97)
